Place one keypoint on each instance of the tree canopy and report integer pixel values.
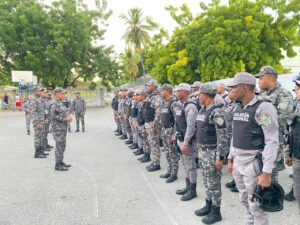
(59, 43)
(224, 40)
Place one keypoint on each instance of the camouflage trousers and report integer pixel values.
(60, 136)
(128, 128)
(134, 130)
(81, 118)
(153, 140)
(211, 176)
(46, 132)
(172, 154)
(38, 136)
(117, 120)
(279, 158)
(28, 120)
(143, 141)
(188, 161)
(123, 126)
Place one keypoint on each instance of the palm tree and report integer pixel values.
(130, 61)
(136, 34)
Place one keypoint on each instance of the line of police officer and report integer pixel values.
(246, 129)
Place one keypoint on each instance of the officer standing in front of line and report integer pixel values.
(254, 145)
(60, 119)
(185, 119)
(79, 108)
(212, 141)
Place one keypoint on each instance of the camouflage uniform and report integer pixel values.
(133, 121)
(26, 108)
(209, 153)
(59, 129)
(38, 117)
(45, 103)
(79, 107)
(154, 101)
(142, 137)
(283, 102)
(121, 116)
(127, 113)
(114, 105)
(167, 133)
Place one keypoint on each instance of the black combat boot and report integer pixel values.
(28, 132)
(146, 158)
(77, 130)
(290, 196)
(65, 165)
(204, 211)
(184, 190)
(191, 193)
(128, 142)
(153, 168)
(123, 137)
(116, 131)
(38, 154)
(230, 184)
(165, 175)
(139, 159)
(147, 167)
(118, 134)
(49, 146)
(134, 146)
(83, 129)
(60, 167)
(139, 152)
(213, 216)
(171, 179)
(234, 189)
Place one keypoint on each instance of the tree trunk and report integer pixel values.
(143, 67)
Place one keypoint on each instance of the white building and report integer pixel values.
(292, 63)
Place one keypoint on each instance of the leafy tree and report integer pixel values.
(59, 43)
(129, 61)
(224, 40)
(137, 32)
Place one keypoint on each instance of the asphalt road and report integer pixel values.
(106, 185)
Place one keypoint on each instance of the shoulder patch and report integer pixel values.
(265, 120)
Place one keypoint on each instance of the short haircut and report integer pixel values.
(250, 87)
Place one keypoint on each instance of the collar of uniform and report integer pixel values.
(252, 102)
(274, 89)
(209, 106)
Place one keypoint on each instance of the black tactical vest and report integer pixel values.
(166, 117)
(141, 115)
(134, 111)
(180, 119)
(247, 133)
(206, 132)
(115, 103)
(149, 111)
(295, 142)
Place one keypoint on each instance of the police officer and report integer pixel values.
(38, 121)
(292, 152)
(254, 145)
(114, 106)
(46, 103)
(26, 108)
(133, 121)
(221, 97)
(79, 108)
(144, 147)
(59, 118)
(167, 132)
(185, 119)
(211, 139)
(121, 113)
(195, 91)
(127, 113)
(283, 102)
(152, 123)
